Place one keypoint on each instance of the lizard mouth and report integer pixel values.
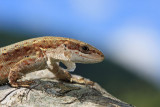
(93, 58)
(99, 59)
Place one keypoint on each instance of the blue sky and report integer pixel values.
(88, 15)
(126, 31)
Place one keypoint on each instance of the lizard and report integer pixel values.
(18, 59)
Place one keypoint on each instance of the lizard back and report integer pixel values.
(10, 55)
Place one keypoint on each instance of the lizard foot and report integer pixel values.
(26, 84)
(81, 80)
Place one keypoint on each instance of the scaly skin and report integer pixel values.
(34, 54)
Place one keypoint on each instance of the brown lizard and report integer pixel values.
(27, 56)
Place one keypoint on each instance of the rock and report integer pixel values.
(53, 93)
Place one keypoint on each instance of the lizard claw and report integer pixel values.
(27, 83)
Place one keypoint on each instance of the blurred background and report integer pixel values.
(127, 32)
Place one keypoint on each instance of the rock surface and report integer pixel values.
(53, 93)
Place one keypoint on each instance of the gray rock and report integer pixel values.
(53, 93)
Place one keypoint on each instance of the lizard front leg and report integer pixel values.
(23, 67)
(63, 74)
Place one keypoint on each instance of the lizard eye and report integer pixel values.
(85, 48)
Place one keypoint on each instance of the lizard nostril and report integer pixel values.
(102, 55)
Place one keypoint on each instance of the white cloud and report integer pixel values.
(137, 47)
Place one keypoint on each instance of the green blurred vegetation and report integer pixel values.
(115, 79)
(7, 38)
(121, 83)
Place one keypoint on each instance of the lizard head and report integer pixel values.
(80, 52)
(72, 50)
